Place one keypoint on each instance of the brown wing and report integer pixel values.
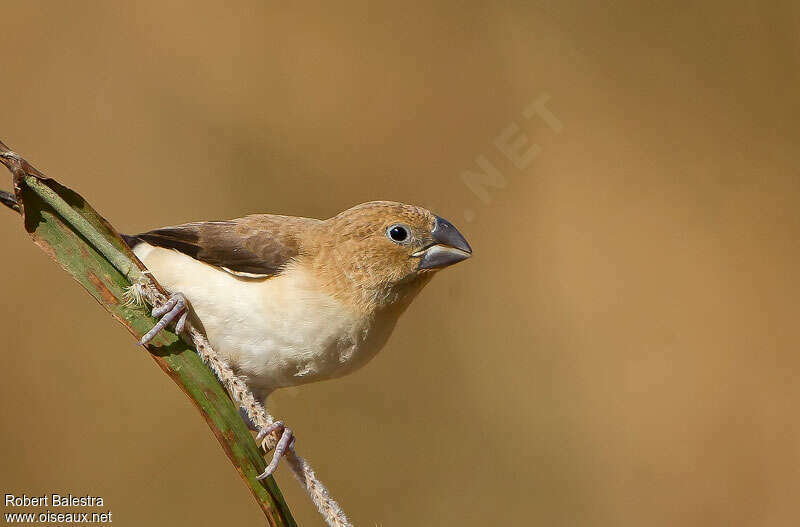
(255, 245)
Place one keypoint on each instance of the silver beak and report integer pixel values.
(449, 247)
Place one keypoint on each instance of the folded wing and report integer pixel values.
(254, 246)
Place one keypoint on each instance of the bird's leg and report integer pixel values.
(174, 307)
(286, 441)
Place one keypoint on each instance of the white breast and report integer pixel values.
(278, 331)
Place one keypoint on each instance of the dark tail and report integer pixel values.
(132, 241)
(9, 201)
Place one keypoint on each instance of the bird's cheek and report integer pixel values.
(410, 268)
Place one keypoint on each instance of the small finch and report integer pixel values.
(288, 300)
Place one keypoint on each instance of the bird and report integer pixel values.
(291, 300)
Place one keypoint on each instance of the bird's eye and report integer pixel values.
(398, 233)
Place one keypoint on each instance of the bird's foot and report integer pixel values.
(285, 441)
(174, 307)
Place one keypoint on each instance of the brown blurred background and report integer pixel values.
(621, 351)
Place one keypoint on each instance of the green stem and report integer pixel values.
(122, 263)
(71, 232)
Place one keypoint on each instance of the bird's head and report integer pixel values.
(381, 252)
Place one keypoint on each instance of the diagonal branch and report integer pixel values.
(71, 232)
(74, 216)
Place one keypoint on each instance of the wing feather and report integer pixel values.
(254, 246)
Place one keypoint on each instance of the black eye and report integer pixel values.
(398, 233)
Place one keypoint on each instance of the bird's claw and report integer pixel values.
(285, 441)
(174, 307)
